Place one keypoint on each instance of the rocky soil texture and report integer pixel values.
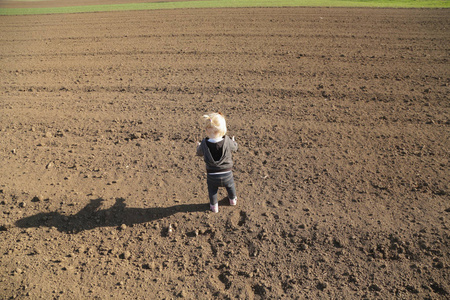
(341, 115)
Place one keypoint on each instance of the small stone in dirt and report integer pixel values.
(260, 289)
(22, 204)
(303, 247)
(423, 244)
(50, 165)
(438, 289)
(353, 278)
(68, 268)
(338, 243)
(136, 135)
(341, 252)
(322, 285)
(374, 287)
(37, 198)
(123, 227)
(412, 289)
(125, 255)
(81, 249)
(438, 264)
(48, 134)
(170, 229)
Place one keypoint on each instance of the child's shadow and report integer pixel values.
(91, 216)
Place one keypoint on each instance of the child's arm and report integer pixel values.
(234, 145)
(199, 149)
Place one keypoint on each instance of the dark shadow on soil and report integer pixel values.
(91, 216)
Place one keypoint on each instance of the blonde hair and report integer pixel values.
(216, 123)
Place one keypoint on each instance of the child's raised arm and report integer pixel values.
(199, 149)
(234, 145)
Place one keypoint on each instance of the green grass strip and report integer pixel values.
(228, 4)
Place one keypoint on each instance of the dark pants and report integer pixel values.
(220, 180)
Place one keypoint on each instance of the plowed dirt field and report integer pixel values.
(341, 116)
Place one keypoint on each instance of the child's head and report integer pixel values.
(215, 125)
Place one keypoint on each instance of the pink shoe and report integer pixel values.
(233, 202)
(214, 208)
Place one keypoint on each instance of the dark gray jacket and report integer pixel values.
(225, 162)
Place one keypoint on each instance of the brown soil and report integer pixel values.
(341, 115)
(55, 3)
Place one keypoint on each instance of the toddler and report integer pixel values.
(216, 150)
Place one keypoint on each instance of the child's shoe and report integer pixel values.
(214, 208)
(233, 202)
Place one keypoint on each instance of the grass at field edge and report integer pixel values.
(227, 4)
